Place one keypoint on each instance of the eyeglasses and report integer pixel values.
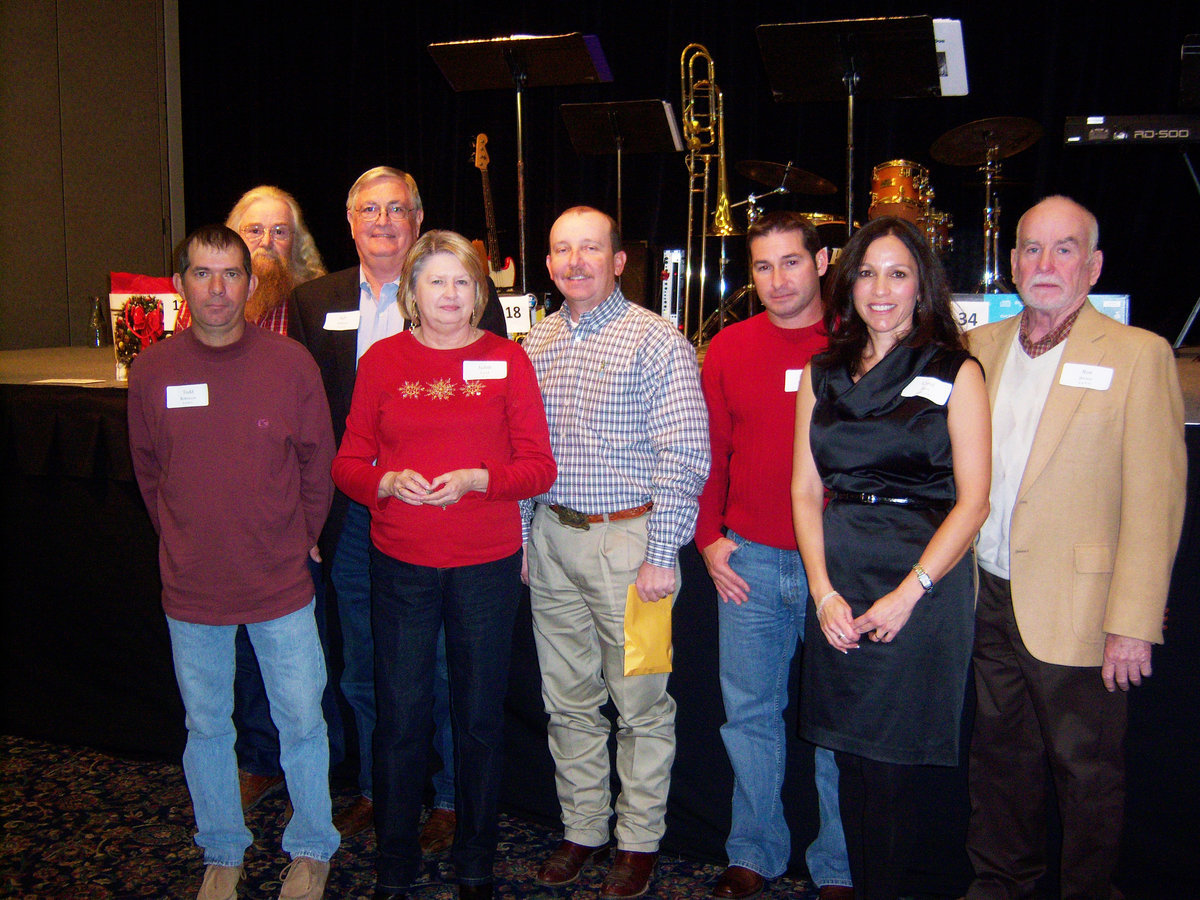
(279, 232)
(370, 212)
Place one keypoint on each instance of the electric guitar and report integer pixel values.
(506, 276)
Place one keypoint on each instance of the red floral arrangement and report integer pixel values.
(139, 324)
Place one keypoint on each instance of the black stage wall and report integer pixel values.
(309, 98)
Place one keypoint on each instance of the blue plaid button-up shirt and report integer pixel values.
(627, 418)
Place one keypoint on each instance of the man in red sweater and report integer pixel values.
(231, 441)
(744, 531)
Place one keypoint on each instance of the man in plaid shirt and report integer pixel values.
(629, 430)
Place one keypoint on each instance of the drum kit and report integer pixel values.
(904, 188)
(899, 187)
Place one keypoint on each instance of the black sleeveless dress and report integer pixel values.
(898, 702)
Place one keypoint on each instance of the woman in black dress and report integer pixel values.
(889, 489)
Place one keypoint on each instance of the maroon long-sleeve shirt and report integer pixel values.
(232, 448)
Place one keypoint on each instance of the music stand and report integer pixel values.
(521, 61)
(630, 126)
(875, 59)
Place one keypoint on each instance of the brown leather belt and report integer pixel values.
(572, 518)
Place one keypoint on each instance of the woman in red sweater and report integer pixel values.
(446, 432)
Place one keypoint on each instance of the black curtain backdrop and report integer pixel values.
(307, 99)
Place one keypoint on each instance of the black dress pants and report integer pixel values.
(1033, 717)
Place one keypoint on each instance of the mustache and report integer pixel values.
(265, 253)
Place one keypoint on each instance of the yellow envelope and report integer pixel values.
(647, 635)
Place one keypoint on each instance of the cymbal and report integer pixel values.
(791, 178)
(967, 145)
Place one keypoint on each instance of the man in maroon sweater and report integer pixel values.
(231, 441)
(744, 531)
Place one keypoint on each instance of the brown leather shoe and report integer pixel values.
(438, 833)
(256, 787)
(836, 892)
(358, 816)
(738, 883)
(629, 875)
(564, 864)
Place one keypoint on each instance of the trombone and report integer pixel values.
(703, 115)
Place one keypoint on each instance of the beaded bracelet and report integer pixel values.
(824, 600)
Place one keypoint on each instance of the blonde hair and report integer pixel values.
(306, 263)
(430, 244)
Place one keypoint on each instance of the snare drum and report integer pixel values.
(899, 188)
(831, 228)
(937, 226)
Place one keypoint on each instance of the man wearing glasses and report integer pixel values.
(282, 251)
(338, 317)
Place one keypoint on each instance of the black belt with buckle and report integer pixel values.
(879, 500)
(573, 518)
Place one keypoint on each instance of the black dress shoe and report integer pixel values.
(481, 891)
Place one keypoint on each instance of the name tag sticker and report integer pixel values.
(1096, 378)
(180, 396)
(484, 369)
(342, 321)
(932, 389)
(791, 380)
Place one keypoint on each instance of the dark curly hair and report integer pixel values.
(933, 319)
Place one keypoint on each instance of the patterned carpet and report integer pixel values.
(79, 824)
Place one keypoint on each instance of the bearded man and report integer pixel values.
(282, 252)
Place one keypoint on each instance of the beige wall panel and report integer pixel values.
(83, 154)
(33, 268)
(114, 141)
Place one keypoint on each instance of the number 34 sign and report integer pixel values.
(973, 310)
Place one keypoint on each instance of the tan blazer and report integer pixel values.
(1100, 507)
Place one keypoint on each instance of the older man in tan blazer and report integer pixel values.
(1087, 500)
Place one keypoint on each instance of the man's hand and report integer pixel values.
(654, 582)
(730, 585)
(315, 554)
(1126, 661)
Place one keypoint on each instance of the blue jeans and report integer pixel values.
(443, 732)
(350, 573)
(757, 641)
(257, 737)
(351, 577)
(477, 607)
(293, 668)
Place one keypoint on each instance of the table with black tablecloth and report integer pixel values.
(85, 655)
